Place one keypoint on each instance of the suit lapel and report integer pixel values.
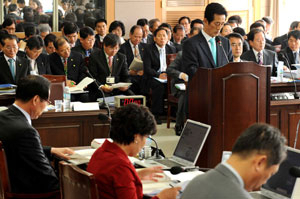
(5, 68)
(141, 49)
(104, 61)
(18, 68)
(205, 48)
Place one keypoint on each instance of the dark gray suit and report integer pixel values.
(28, 164)
(218, 183)
(196, 53)
(269, 58)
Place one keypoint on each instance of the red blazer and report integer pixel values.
(115, 175)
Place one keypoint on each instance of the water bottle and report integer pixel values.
(280, 71)
(67, 99)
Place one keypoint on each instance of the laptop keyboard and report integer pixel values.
(169, 163)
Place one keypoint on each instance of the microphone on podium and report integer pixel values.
(103, 105)
(177, 169)
(218, 40)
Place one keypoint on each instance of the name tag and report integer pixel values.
(110, 80)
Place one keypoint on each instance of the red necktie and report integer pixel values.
(110, 62)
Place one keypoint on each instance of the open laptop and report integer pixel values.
(188, 148)
(282, 185)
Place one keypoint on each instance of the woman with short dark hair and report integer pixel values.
(115, 175)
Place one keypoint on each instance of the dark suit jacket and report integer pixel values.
(22, 70)
(152, 61)
(196, 53)
(127, 51)
(99, 68)
(81, 50)
(76, 66)
(289, 57)
(269, 58)
(42, 63)
(28, 166)
(98, 43)
(279, 40)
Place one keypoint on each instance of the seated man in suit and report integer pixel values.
(87, 40)
(133, 48)
(66, 62)
(290, 55)
(282, 40)
(236, 42)
(12, 67)
(101, 30)
(145, 26)
(70, 31)
(168, 28)
(49, 44)
(39, 64)
(28, 161)
(260, 25)
(155, 66)
(108, 66)
(186, 22)
(178, 36)
(258, 53)
(256, 156)
(153, 25)
(9, 25)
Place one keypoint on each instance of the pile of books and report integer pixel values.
(7, 89)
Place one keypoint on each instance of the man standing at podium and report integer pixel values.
(205, 49)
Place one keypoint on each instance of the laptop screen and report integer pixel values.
(191, 141)
(282, 182)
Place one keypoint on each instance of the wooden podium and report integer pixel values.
(230, 99)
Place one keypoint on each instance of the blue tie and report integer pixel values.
(213, 49)
(12, 67)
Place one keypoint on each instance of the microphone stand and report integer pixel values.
(218, 40)
(103, 105)
(296, 138)
(157, 156)
(292, 76)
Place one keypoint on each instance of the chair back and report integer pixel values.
(169, 60)
(57, 87)
(76, 183)
(4, 179)
(5, 189)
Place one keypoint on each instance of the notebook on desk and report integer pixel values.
(188, 148)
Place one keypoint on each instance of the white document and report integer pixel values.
(121, 84)
(88, 106)
(82, 156)
(97, 142)
(180, 86)
(136, 65)
(83, 84)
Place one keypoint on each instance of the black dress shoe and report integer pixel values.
(158, 121)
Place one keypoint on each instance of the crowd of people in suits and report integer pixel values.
(107, 55)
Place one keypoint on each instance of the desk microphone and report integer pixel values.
(295, 171)
(218, 40)
(103, 105)
(177, 169)
(156, 154)
(282, 55)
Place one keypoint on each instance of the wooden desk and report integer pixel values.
(284, 87)
(6, 100)
(74, 128)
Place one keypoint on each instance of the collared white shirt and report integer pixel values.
(15, 59)
(24, 112)
(33, 66)
(207, 37)
(133, 48)
(235, 173)
(162, 58)
(101, 37)
(256, 56)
